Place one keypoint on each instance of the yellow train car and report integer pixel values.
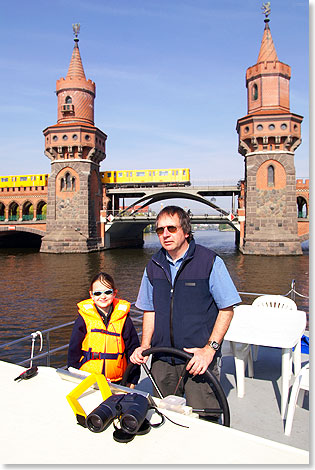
(152, 177)
(21, 181)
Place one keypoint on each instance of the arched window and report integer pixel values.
(2, 211)
(68, 100)
(68, 183)
(255, 92)
(271, 175)
(302, 209)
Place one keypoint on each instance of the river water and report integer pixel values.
(40, 290)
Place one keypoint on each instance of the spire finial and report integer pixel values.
(266, 11)
(76, 31)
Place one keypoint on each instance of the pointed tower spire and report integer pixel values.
(76, 69)
(267, 49)
(268, 80)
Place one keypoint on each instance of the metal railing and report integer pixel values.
(136, 318)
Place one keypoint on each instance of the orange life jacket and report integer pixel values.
(103, 347)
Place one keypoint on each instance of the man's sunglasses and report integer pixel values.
(97, 293)
(170, 228)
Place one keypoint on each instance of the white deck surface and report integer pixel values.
(39, 427)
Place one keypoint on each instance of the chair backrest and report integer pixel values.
(275, 301)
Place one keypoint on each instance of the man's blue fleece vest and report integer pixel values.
(185, 314)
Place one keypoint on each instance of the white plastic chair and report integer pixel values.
(273, 301)
(301, 383)
(242, 356)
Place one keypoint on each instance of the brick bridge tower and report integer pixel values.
(268, 137)
(75, 147)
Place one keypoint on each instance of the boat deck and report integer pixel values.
(39, 426)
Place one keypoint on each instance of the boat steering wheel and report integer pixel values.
(208, 375)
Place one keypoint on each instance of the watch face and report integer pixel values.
(214, 345)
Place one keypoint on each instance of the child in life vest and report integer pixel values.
(103, 336)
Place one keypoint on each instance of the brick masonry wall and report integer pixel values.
(72, 221)
(271, 221)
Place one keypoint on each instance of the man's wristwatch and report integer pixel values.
(214, 345)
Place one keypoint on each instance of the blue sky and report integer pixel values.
(169, 74)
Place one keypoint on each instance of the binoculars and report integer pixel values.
(130, 409)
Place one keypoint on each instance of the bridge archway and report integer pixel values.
(2, 211)
(162, 196)
(20, 237)
(14, 211)
(27, 211)
(41, 210)
(302, 207)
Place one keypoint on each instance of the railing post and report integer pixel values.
(293, 289)
(48, 349)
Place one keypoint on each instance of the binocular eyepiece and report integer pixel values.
(130, 408)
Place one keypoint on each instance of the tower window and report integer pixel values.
(68, 183)
(68, 106)
(255, 92)
(271, 175)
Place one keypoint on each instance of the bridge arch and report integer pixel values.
(162, 196)
(41, 210)
(302, 207)
(2, 211)
(27, 210)
(20, 237)
(14, 211)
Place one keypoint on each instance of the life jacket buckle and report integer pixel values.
(96, 355)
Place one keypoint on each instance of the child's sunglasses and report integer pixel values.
(97, 293)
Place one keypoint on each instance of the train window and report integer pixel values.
(173, 173)
(23, 178)
(154, 173)
(184, 172)
(149, 173)
(108, 174)
(140, 173)
(33, 178)
(176, 172)
(13, 178)
(4, 180)
(163, 173)
(120, 174)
